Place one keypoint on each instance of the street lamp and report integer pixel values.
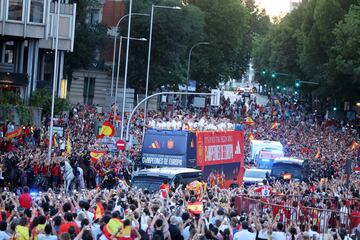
(55, 78)
(114, 52)
(149, 56)
(188, 69)
(117, 81)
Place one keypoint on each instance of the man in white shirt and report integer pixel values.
(313, 233)
(244, 233)
(279, 234)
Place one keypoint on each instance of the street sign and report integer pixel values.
(121, 145)
(215, 97)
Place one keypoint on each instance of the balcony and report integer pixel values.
(37, 19)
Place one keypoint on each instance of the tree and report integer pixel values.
(347, 60)
(227, 28)
(89, 39)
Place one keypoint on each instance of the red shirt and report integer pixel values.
(44, 170)
(55, 171)
(25, 200)
(36, 170)
(65, 227)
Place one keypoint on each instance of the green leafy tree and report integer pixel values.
(347, 59)
(42, 98)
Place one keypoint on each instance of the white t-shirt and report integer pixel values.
(186, 233)
(314, 235)
(46, 237)
(244, 234)
(4, 235)
(278, 236)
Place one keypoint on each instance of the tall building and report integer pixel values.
(28, 33)
(93, 85)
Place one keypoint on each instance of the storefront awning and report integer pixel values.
(14, 79)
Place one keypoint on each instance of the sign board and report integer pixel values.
(58, 130)
(191, 87)
(219, 147)
(199, 102)
(215, 97)
(163, 98)
(120, 145)
(167, 148)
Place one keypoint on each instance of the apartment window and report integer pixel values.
(36, 11)
(15, 10)
(89, 90)
(94, 17)
(9, 52)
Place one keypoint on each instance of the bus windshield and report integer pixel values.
(280, 169)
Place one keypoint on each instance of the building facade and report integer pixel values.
(93, 85)
(27, 29)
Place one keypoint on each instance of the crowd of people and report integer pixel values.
(34, 205)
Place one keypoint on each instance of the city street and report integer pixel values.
(85, 155)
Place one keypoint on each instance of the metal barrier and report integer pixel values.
(296, 211)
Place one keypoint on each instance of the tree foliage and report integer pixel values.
(316, 42)
(42, 99)
(228, 25)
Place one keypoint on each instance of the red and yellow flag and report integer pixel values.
(13, 134)
(354, 145)
(95, 155)
(249, 121)
(99, 211)
(107, 130)
(195, 208)
(68, 144)
(318, 153)
(55, 143)
(287, 176)
(275, 125)
(251, 136)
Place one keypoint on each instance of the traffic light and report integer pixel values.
(284, 88)
(263, 72)
(296, 92)
(297, 83)
(273, 75)
(277, 87)
(334, 108)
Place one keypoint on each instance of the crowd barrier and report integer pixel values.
(293, 211)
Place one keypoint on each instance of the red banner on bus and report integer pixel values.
(219, 147)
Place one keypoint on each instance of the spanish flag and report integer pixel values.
(68, 144)
(275, 125)
(251, 136)
(112, 227)
(318, 153)
(195, 208)
(95, 155)
(249, 121)
(354, 145)
(107, 130)
(13, 134)
(99, 211)
(55, 143)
